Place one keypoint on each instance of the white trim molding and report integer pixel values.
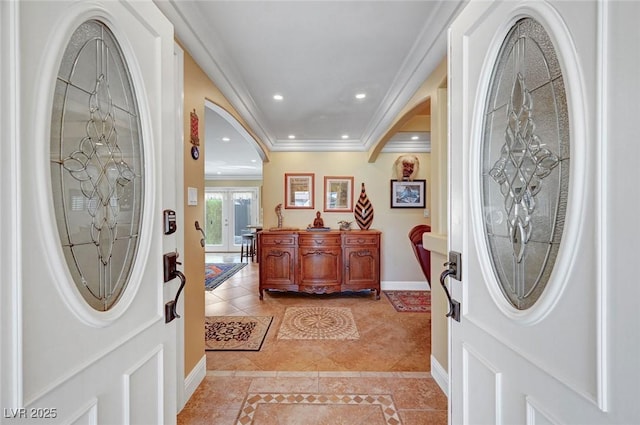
(11, 382)
(440, 375)
(390, 285)
(194, 378)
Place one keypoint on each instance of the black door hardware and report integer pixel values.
(201, 231)
(454, 269)
(170, 273)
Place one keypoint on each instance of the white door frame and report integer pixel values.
(184, 388)
(10, 258)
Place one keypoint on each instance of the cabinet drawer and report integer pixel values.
(360, 240)
(285, 239)
(319, 240)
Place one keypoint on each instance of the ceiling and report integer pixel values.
(317, 55)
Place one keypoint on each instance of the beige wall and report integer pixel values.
(197, 88)
(195, 85)
(398, 261)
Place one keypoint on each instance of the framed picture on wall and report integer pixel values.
(298, 190)
(338, 194)
(408, 194)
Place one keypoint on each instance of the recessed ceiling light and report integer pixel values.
(414, 137)
(219, 172)
(277, 97)
(225, 139)
(345, 136)
(254, 160)
(292, 136)
(361, 95)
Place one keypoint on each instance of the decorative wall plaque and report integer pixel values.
(195, 139)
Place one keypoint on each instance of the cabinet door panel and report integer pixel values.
(278, 266)
(361, 267)
(320, 266)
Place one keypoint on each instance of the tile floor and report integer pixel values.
(381, 378)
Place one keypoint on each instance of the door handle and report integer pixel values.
(201, 231)
(453, 270)
(170, 308)
(170, 273)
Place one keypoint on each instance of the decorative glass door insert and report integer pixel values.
(525, 163)
(96, 164)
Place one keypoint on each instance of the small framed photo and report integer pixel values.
(338, 194)
(408, 194)
(298, 190)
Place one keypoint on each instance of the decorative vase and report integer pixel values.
(363, 210)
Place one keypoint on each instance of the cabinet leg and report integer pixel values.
(261, 294)
(377, 294)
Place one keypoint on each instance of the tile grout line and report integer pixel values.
(318, 374)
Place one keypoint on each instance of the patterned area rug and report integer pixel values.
(235, 333)
(318, 323)
(216, 273)
(410, 301)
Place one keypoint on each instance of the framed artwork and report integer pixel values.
(298, 190)
(338, 194)
(408, 194)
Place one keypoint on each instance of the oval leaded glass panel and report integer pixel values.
(96, 164)
(525, 163)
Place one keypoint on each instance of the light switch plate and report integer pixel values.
(192, 196)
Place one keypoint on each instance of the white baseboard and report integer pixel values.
(195, 377)
(440, 375)
(420, 285)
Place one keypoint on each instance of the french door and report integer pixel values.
(229, 213)
(543, 179)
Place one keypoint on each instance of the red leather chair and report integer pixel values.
(423, 256)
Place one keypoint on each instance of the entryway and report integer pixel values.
(229, 213)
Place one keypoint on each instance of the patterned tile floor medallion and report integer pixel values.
(380, 406)
(335, 323)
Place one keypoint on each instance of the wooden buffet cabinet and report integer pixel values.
(319, 262)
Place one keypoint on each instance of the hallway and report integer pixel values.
(381, 378)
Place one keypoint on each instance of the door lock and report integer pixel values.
(170, 262)
(455, 264)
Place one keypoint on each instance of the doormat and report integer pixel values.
(318, 323)
(235, 333)
(216, 273)
(410, 301)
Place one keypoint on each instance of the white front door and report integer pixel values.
(84, 333)
(543, 182)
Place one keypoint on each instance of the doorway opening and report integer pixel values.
(229, 213)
